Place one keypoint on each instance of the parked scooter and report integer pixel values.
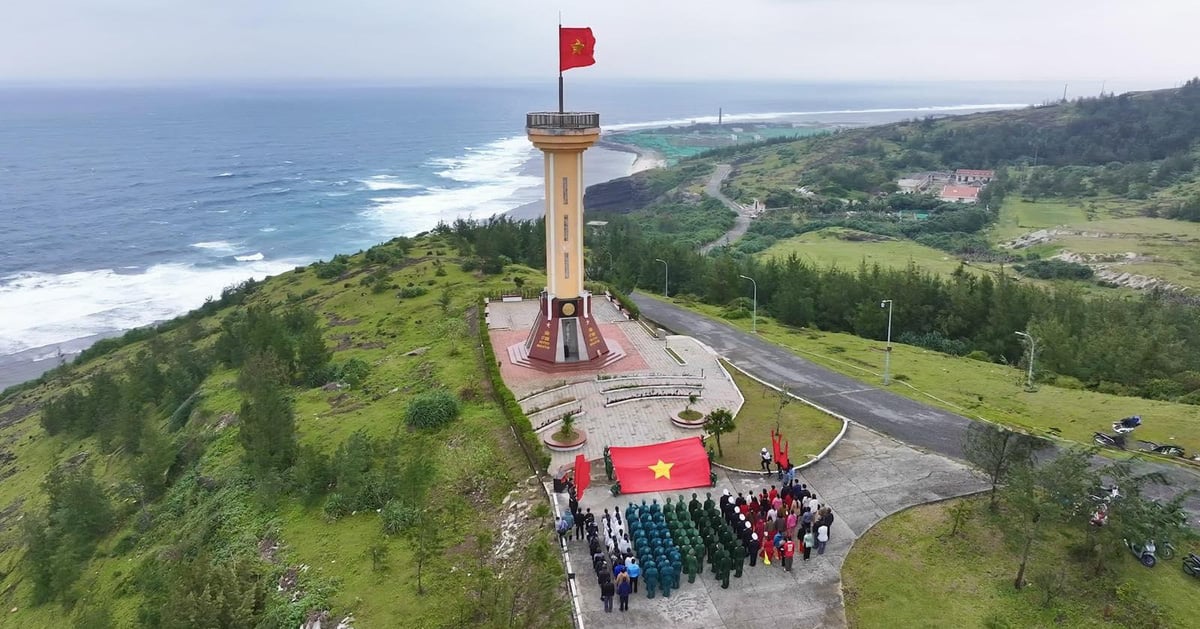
(1191, 565)
(1127, 425)
(1145, 554)
(1164, 449)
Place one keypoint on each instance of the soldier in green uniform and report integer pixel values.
(722, 568)
(666, 575)
(737, 556)
(650, 576)
(689, 564)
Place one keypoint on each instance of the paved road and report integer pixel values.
(902, 418)
(741, 222)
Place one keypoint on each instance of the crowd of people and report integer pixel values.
(657, 544)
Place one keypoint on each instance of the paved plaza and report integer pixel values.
(864, 478)
(648, 369)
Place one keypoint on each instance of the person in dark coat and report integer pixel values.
(607, 589)
(623, 590)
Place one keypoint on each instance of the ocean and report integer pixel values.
(126, 206)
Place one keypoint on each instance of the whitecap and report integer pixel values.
(254, 257)
(267, 230)
(388, 182)
(39, 309)
(222, 175)
(215, 245)
(498, 186)
(492, 162)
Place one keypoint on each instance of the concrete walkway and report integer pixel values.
(865, 478)
(900, 417)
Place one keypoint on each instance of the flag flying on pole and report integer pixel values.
(662, 466)
(583, 475)
(576, 48)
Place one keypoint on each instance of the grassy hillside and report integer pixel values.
(910, 571)
(976, 388)
(218, 521)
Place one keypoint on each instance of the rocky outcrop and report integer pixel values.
(619, 196)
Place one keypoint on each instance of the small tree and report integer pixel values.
(1046, 493)
(566, 431)
(717, 423)
(785, 398)
(688, 414)
(998, 451)
(427, 544)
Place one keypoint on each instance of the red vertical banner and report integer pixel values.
(583, 475)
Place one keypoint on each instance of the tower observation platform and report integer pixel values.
(565, 333)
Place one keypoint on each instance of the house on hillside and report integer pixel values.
(967, 175)
(959, 194)
(914, 183)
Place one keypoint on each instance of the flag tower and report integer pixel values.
(564, 331)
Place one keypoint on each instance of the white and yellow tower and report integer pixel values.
(565, 331)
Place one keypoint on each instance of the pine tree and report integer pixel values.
(268, 421)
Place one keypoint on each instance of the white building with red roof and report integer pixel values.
(960, 194)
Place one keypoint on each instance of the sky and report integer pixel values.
(406, 40)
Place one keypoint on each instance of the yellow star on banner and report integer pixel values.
(577, 47)
(661, 470)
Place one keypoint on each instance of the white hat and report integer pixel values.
(726, 492)
(764, 450)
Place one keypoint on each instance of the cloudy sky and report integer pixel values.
(389, 40)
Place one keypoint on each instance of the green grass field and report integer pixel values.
(831, 246)
(476, 451)
(807, 430)
(907, 571)
(1171, 249)
(979, 389)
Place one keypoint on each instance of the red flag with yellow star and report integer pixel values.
(576, 48)
(662, 466)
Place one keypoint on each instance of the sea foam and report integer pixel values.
(254, 257)
(784, 115)
(495, 185)
(215, 245)
(40, 309)
(387, 182)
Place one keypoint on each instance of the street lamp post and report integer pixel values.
(754, 315)
(666, 277)
(887, 351)
(1032, 350)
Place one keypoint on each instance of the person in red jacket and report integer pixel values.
(767, 550)
(789, 551)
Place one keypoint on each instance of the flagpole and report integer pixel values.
(560, 81)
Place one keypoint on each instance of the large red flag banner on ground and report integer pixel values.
(583, 475)
(576, 48)
(660, 467)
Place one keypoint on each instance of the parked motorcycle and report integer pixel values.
(1191, 565)
(1164, 449)
(1109, 441)
(1127, 424)
(1145, 554)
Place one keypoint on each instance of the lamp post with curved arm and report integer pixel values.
(666, 277)
(754, 315)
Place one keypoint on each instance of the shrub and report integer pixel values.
(433, 409)
(397, 517)
(408, 292)
(354, 372)
(979, 355)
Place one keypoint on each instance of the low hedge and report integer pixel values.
(626, 303)
(520, 423)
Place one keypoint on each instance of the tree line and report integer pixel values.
(1122, 345)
